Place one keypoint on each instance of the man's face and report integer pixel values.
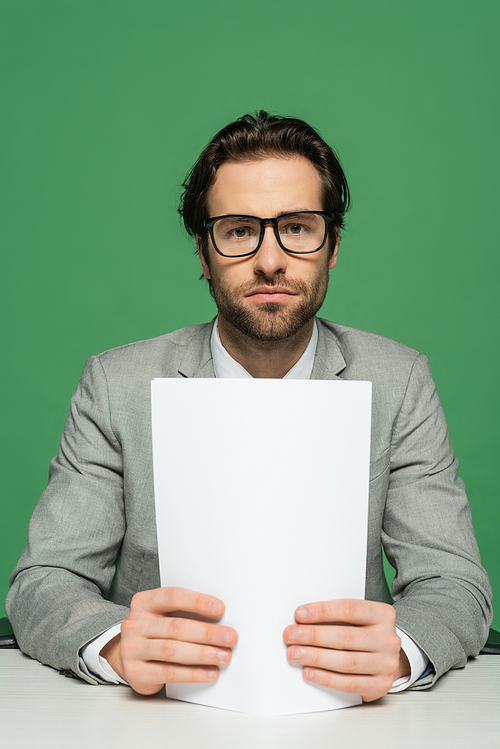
(271, 295)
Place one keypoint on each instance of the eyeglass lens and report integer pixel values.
(298, 232)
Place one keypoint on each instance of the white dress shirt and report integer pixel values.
(226, 366)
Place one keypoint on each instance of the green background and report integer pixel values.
(107, 103)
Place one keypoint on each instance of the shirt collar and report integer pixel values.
(226, 366)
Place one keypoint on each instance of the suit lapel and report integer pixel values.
(197, 358)
(329, 361)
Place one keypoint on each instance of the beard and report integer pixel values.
(272, 321)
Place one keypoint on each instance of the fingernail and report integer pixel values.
(222, 656)
(215, 606)
(303, 612)
(212, 674)
(295, 653)
(227, 636)
(309, 674)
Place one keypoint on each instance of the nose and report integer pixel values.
(270, 259)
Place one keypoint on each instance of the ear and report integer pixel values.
(204, 264)
(333, 258)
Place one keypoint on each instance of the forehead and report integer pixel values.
(266, 187)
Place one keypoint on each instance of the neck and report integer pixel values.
(271, 359)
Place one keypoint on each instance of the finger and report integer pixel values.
(177, 628)
(149, 678)
(344, 662)
(335, 636)
(349, 610)
(370, 688)
(165, 600)
(187, 653)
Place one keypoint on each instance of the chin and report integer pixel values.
(272, 322)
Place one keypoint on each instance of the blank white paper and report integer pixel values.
(261, 491)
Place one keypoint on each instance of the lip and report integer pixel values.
(270, 294)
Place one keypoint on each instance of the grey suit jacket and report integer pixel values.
(92, 538)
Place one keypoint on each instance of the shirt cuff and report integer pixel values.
(418, 663)
(95, 663)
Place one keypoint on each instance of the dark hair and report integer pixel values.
(258, 137)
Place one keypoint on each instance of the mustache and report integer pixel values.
(291, 284)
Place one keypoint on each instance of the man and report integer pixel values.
(266, 202)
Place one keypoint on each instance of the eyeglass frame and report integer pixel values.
(209, 224)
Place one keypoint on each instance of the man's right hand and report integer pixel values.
(156, 647)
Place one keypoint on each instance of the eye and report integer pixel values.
(240, 232)
(294, 228)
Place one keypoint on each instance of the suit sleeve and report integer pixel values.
(441, 592)
(56, 602)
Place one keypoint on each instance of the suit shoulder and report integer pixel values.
(176, 339)
(154, 357)
(353, 341)
(370, 355)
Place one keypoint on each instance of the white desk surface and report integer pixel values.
(41, 709)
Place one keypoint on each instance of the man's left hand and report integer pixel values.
(349, 645)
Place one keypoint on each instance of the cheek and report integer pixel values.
(311, 273)
(230, 276)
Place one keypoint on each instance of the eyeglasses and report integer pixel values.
(300, 233)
